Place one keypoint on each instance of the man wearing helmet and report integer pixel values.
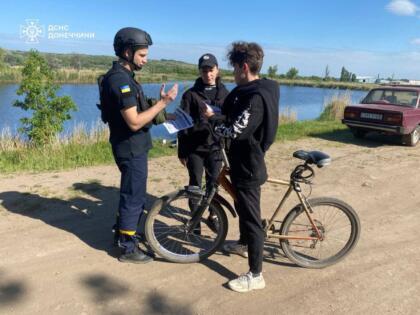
(130, 117)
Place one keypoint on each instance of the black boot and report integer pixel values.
(135, 257)
(116, 232)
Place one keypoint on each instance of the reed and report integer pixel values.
(334, 107)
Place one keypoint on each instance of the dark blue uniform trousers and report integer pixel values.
(132, 198)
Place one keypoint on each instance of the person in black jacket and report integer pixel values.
(197, 146)
(251, 121)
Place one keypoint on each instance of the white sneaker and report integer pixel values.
(236, 248)
(246, 282)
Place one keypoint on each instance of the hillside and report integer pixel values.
(83, 68)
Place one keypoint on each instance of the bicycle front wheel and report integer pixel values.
(167, 234)
(338, 224)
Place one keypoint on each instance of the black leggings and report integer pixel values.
(197, 161)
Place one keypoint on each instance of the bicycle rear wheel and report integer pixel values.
(166, 231)
(339, 226)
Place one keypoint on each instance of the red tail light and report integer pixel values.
(394, 118)
(350, 113)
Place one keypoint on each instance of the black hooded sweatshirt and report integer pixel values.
(199, 138)
(252, 113)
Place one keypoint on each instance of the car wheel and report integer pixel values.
(413, 138)
(358, 133)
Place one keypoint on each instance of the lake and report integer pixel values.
(307, 102)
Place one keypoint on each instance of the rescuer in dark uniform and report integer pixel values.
(129, 116)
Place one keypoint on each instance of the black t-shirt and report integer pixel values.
(122, 91)
(210, 92)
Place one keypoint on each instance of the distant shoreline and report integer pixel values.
(84, 69)
(73, 76)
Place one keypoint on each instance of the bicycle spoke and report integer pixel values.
(333, 223)
(169, 230)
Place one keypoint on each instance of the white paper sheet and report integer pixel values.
(182, 121)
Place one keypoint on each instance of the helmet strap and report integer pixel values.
(131, 60)
(136, 67)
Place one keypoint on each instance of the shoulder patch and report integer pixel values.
(125, 89)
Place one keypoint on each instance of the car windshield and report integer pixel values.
(394, 97)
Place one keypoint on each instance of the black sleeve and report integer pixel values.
(246, 122)
(183, 134)
(122, 91)
(217, 119)
(185, 103)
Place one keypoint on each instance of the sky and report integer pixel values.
(368, 37)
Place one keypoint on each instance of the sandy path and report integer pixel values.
(56, 254)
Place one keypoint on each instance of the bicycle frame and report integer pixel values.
(189, 233)
(293, 186)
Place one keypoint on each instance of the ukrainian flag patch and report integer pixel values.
(125, 89)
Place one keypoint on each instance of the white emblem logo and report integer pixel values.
(32, 31)
(206, 57)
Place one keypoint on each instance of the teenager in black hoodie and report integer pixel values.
(197, 148)
(251, 120)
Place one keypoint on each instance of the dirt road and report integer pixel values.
(56, 253)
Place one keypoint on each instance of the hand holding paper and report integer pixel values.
(182, 121)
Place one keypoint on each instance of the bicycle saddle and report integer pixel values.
(318, 158)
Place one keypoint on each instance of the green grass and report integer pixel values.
(65, 156)
(88, 148)
(72, 155)
(327, 84)
(308, 128)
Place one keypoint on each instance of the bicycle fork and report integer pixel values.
(203, 206)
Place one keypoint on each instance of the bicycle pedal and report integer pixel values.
(194, 190)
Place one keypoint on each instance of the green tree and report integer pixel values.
(48, 110)
(272, 71)
(292, 73)
(345, 75)
(327, 73)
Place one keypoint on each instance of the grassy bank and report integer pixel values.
(327, 84)
(308, 128)
(73, 154)
(83, 147)
(66, 156)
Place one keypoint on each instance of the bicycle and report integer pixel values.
(180, 229)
